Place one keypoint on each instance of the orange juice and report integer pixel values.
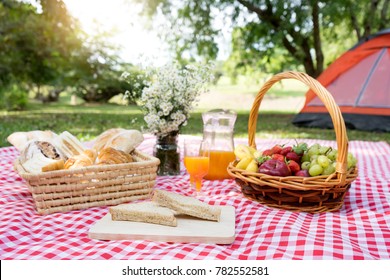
(219, 161)
(197, 167)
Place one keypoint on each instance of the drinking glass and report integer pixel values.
(196, 161)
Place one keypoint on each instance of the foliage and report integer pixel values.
(47, 51)
(170, 93)
(36, 46)
(270, 35)
(13, 97)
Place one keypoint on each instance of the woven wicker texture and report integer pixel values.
(307, 194)
(97, 185)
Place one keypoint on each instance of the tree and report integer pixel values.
(263, 29)
(35, 47)
(45, 49)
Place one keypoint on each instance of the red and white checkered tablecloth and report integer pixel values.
(360, 230)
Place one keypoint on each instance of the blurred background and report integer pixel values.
(65, 58)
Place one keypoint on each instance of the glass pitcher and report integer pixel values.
(218, 130)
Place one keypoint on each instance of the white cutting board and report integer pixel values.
(188, 229)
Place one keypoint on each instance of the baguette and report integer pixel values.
(119, 139)
(103, 138)
(186, 205)
(147, 212)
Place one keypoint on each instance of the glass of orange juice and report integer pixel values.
(196, 161)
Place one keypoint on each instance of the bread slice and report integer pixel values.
(186, 205)
(147, 212)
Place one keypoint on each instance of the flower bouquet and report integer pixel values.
(169, 94)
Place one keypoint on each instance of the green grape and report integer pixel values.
(305, 165)
(305, 157)
(329, 170)
(351, 160)
(323, 160)
(315, 170)
(313, 162)
(313, 157)
(324, 149)
(332, 155)
(313, 150)
(316, 145)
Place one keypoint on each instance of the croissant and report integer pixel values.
(112, 156)
(55, 165)
(87, 158)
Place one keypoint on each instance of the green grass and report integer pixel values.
(88, 121)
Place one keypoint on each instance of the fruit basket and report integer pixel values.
(91, 186)
(295, 193)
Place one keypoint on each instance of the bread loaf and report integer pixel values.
(103, 138)
(119, 139)
(186, 205)
(41, 156)
(46, 148)
(147, 212)
(20, 139)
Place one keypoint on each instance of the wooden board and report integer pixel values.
(189, 229)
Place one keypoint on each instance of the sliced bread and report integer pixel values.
(186, 205)
(147, 212)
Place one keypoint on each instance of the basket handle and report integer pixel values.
(326, 98)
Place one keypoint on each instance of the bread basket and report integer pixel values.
(307, 194)
(97, 185)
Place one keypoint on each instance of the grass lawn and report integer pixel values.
(88, 121)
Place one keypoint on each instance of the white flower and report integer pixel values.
(170, 94)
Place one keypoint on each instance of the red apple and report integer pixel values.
(275, 168)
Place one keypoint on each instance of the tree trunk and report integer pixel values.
(384, 19)
(317, 40)
(368, 21)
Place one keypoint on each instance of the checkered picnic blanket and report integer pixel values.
(360, 230)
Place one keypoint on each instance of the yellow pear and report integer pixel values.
(252, 166)
(243, 163)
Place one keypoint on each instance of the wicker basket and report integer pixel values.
(97, 185)
(307, 194)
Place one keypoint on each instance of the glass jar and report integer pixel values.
(218, 130)
(167, 151)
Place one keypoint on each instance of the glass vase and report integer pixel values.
(167, 151)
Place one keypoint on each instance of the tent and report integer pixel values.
(359, 81)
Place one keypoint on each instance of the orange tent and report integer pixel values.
(359, 81)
